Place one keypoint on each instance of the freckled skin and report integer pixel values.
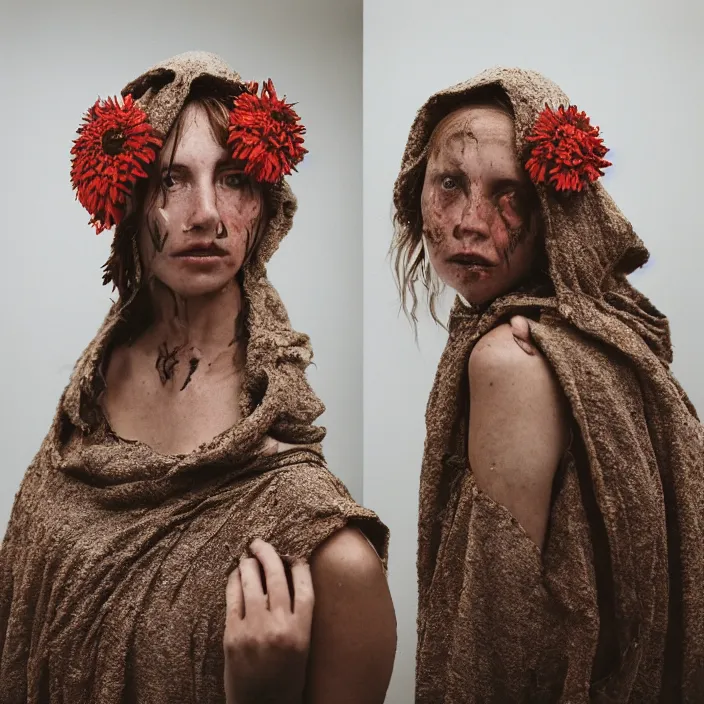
(474, 201)
(178, 385)
(199, 196)
(477, 204)
(206, 198)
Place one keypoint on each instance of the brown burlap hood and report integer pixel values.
(114, 564)
(613, 609)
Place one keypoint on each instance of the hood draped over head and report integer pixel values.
(115, 561)
(590, 245)
(277, 356)
(613, 605)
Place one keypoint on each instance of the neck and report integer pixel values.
(207, 323)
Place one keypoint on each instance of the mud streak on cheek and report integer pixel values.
(246, 221)
(433, 217)
(506, 245)
(158, 228)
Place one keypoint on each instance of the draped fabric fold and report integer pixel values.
(613, 609)
(115, 561)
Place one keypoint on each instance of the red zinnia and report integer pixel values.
(265, 134)
(114, 146)
(568, 151)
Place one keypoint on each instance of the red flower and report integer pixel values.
(265, 133)
(568, 151)
(114, 146)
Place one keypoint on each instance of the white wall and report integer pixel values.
(56, 58)
(637, 67)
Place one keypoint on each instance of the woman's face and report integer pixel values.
(195, 239)
(474, 205)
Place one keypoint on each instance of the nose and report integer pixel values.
(474, 219)
(204, 215)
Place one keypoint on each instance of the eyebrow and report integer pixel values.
(453, 162)
(444, 158)
(450, 163)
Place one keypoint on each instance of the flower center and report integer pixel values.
(281, 116)
(113, 140)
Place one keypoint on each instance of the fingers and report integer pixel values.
(234, 598)
(521, 334)
(252, 589)
(303, 595)
(275, 575)
(249, 593)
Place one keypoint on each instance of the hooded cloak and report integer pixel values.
(115, 560)
(612, 609)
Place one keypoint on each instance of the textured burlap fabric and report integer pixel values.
(613, 609)
(114, 564)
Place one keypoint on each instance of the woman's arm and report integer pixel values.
(350, 645)
(354, 625)
(518, 425)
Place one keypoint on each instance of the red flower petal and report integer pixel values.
(114, 146)
(265, 133)
(568, 151)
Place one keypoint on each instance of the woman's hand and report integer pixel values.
(267, 629)
(521, 334)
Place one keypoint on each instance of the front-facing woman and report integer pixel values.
(561, 540)
(185, 437)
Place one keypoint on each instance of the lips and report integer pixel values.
(470, 259)
(198, 250)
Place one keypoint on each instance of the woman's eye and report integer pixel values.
(168, 180)
(235, 180)
(448, 183)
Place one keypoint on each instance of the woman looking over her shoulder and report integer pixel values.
(183, 454)
(560, 554)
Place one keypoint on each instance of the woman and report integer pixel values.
(185, 436)
(560, 535)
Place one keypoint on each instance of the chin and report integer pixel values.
(196, 286)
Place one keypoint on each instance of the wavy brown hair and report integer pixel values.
(410, 262)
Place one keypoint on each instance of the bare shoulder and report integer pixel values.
(347, 553)
(354, 625)
(505, 380)
(505, 346)
(506, 370)
(518, 426)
